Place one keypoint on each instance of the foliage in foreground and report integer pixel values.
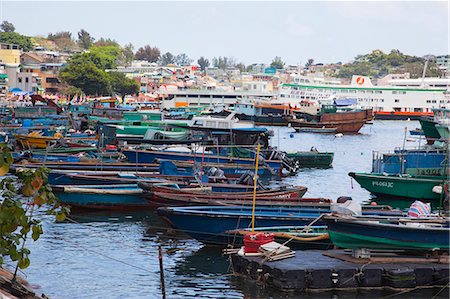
(18, 207)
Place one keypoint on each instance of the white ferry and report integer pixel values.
(387, 102)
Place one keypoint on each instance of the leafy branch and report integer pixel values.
(20, 197)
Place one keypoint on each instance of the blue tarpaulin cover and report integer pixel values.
(345, 102)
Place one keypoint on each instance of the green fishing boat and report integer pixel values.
(444, 131)
(414, 187)
(388, 234)
(312, 159)
(429, 129)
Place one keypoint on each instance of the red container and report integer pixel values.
(253, 241)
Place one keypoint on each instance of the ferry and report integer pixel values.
(387, 102)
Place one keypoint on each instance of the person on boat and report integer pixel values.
(314, 149)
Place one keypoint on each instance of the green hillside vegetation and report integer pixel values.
(378, 64)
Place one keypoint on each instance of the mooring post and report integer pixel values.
(161, 272)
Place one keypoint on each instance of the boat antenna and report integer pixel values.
(255, 183)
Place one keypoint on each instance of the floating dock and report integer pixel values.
(312, 270)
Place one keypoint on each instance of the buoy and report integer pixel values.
(291, 135)
(339, 135)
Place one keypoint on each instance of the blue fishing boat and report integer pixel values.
(190, 168)
(389, 234)
(150, 156)
(209, 224)
(101, 197)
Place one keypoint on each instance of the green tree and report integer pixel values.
(23, 41)
(277, 63)
(128, 53)
(85, 40)
(110, 55)
(241, 67)
(102, 42)
(18, 208)
(86, 76)
(182, 59)
(123, 85)
(63, 40)
(167, 58)
(203, 63)
(7, 27)
(148, 53)
(309, 62)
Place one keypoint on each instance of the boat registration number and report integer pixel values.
(383, 184)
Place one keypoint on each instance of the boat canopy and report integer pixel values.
(345, 102)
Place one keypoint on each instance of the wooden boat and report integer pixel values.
(230, 170)
(160, 199)
(31, 141)
(316, 130)
(94, 165)
(429, 129)
(299, 237)
(399, 186)
(389, 234)
(226, 191)
(344, 122)
(210, 224)
(150, 156)
(101, 197)
(35, 141)
(416, 132)
(312, 158)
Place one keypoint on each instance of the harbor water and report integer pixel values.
(115, 255)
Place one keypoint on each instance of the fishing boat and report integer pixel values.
(388, 233)
(322, 130)
(417, 132)
(341, 114)
(298, 237)
(312, 158)
(150, 156)
(226, 191)
(101, 197)
(160, 199)
(228, 170)
(210, 224)
(443, 130)
(401, 186)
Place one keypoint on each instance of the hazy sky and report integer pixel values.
(249, 31)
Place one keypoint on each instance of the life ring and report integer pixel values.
(360, 80)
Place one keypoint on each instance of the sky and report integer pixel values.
(251, 32)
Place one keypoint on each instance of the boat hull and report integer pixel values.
(400, 187)
(359, 234)
(429, 129)
(312, 159)
(211, 226)
(101, 198)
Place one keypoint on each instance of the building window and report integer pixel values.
(26, 80)
(19, 79)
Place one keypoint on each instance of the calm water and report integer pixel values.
(116, 255)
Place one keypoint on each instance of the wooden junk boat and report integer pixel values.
(346, 121)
